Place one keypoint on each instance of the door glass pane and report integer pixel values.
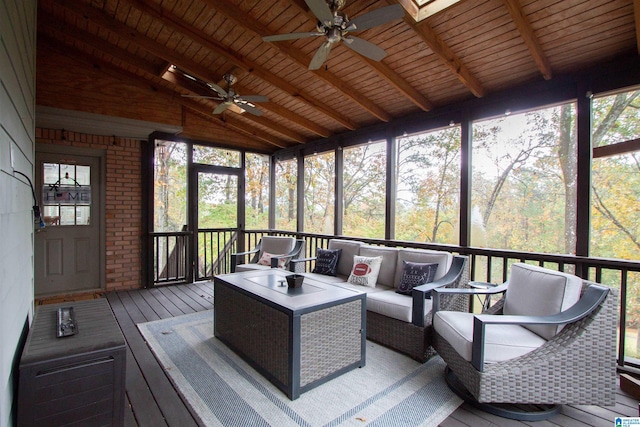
(217, 201)
(66, 194)
(216, 156)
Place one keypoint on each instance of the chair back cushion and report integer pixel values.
(389, 260)
(539, 291)
(442, 258)
(277, 245)
(349, 249)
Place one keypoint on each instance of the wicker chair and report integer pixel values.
(282, 248)
(575, 365)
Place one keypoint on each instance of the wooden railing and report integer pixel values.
(215, 247)
(171, 257)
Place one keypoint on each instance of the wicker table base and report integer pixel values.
(297, 338)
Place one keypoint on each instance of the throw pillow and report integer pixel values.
(265, 259)
(415, 274)
(365, 270)
(327, 261)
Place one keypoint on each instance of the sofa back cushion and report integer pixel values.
(349, 249)
(539, 291)
(442, 258)
(389, 261)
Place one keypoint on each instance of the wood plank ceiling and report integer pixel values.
(469, 49)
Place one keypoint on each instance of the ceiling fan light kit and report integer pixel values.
(334, 25)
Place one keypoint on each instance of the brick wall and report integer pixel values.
(123, 210)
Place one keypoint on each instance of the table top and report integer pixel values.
(271, 285)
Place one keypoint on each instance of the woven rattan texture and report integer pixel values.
(330, 339)
(577, 366)
(408, 338)
(257, 330)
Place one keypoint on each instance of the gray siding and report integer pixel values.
(17, 142)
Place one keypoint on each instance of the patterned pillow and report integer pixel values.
(365, 270)
(265, 259)
(415, 274)
(327, 261)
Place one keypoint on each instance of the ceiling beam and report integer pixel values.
(444, 52)
(255, 26)
(46, 20)
(174, 22)
(382, 69)
(526, 32)
(131, 35)
(123, 75)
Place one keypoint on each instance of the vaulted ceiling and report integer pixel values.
(145, 59)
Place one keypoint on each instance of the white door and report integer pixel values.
(68, 249)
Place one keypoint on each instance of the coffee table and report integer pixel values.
(298, 338)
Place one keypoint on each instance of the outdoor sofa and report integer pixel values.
(399, 321)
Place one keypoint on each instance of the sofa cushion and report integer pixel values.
(415, 274)
(365, 270)
(391, 304)
(327, 261)
(389, 260)
(539, 291)
(442, 258)
(349, 249)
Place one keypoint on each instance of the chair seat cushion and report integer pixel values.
(502, 342)
(392, 304)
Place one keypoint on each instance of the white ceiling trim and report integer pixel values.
(98, 124)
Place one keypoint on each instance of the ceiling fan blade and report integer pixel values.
(290, 36)
(365, 48)
(376, 17)
(249, 108)
(217, 98)
(321, 9)
(254, 98)
(321, 55)
(220, 108)
(222, 92)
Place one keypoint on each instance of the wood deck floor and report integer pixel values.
(152, 400)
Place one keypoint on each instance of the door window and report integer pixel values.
(66, 194)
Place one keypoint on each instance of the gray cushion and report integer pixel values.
(389, 260)
(442, 258)
(349, 249)
(539, 291)
(278, 245)
(502, 342)
(394, 305)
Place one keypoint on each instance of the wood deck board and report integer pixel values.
(172, 409)
(153, 398)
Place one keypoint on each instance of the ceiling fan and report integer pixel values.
(232, 99)
(334, 25)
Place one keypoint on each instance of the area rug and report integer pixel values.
(223, 390)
